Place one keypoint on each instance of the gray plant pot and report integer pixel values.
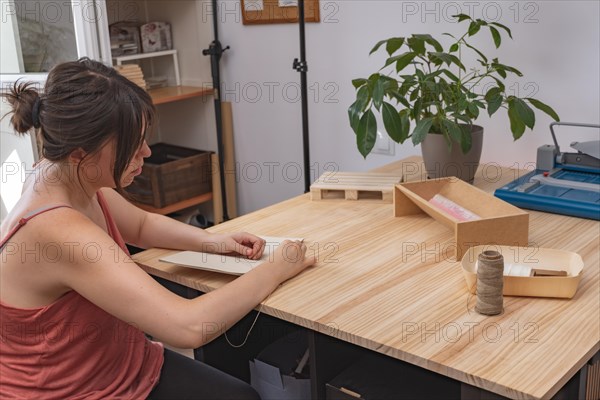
(439, 162)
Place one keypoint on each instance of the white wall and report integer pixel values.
(556, 45)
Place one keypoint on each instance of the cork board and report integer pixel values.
(256, 12)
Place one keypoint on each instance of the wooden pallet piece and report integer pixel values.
(355, 186)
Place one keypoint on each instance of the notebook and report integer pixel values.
(227, 264)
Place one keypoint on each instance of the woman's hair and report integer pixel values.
(84, 104)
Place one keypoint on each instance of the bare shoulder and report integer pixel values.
(56, 231)
(47, 248)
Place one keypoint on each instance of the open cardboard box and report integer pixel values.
(500, 223)
(534, 286)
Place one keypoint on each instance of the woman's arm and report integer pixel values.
(147, 230)
(116, 284)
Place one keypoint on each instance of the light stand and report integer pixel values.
(215, 51)
(302, 67)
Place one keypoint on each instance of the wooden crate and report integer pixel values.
(172, 174)
(354, 186)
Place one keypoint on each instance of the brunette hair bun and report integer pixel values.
(25, 102)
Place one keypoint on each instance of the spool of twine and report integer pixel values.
(490, 282)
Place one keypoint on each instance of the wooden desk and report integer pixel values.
(386, 284)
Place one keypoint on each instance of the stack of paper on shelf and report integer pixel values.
(133, 72)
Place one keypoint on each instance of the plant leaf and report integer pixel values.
(483, 57)
(473, 110)
(405, 87)
(474, 28)
(416, 109)
(517, 126)
(545, 108)
(367, 133)
(453, 48)
(378, 91)
(493, 105)
(461, 17)
(414, 94)
(494, 98)
(466, 141)
(493, 92)
(416, 44)
(363, 96)
(392, 122)
(404, 125)
(456, 61)
(499, 82)
(358, 82)
(389, 83)
(462, 103)
(525, 112)
(353, 116)
(450, 75)
(440, 57)
(395, 94)
(502, 67)
(453, 130)
(394, 44)
(430, 40)
(503, 27)
(421, 130)
(377, 46)
(463, 118)
(501, 72)
(402, 59)
(354, 111)
(496, 36)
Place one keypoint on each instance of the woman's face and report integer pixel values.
(99, 169)
(135, 166)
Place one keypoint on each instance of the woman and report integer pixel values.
(73, 305)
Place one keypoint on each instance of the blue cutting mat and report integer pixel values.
(554, 199)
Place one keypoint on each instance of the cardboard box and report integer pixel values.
(534, 257)
(500, 223)
(172, 174)
(376, 377)
(272, 373)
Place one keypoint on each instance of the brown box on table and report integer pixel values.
(172, 174)
(499, 223)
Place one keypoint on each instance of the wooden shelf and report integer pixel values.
(176, 93)
(140, 56)
(177, 206)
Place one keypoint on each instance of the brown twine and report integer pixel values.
(490, 282)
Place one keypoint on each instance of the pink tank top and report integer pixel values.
(73, 349)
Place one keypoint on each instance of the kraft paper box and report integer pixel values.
(500, 223)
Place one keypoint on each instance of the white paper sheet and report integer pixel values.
(234, 265)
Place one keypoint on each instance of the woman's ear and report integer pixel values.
(77, 156)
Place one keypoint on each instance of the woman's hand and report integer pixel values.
(243, 243)
(290, 259)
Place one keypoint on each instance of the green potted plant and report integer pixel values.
(433, 90)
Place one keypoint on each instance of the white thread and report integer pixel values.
(237, 346)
